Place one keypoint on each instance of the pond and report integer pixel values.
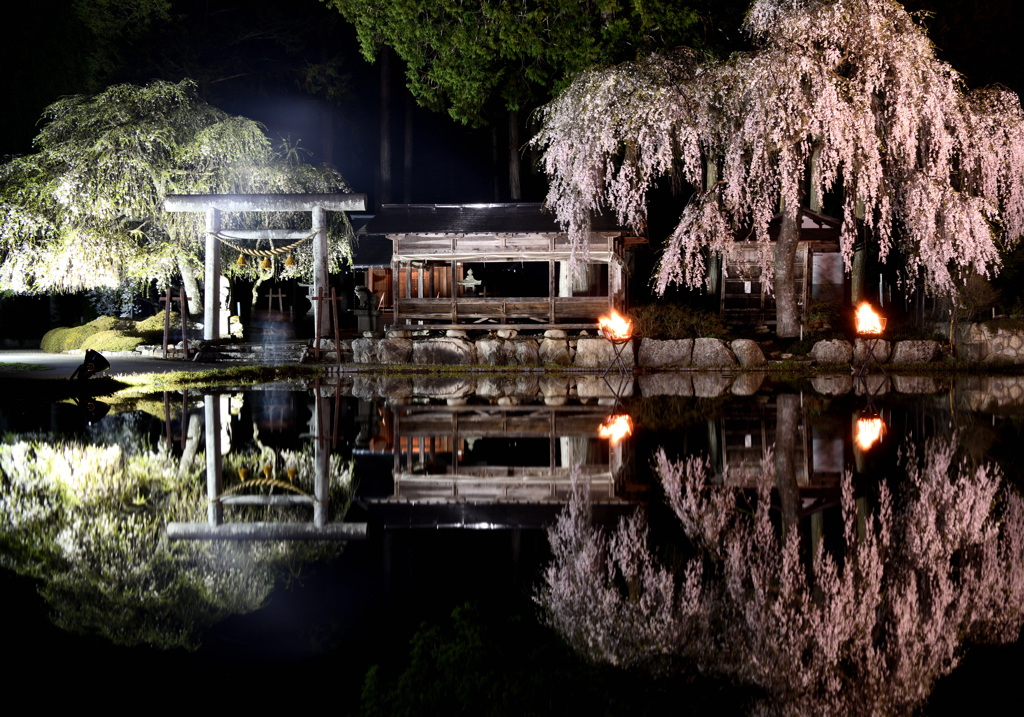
(387, 539)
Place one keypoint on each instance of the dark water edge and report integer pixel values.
(492, 658)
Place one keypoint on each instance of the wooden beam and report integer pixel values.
(266, 531)
(274, 234)
(264, 202)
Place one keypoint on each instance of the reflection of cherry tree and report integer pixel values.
(868, 630)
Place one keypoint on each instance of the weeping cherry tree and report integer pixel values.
(836, 93)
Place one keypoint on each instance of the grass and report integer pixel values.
(17, 366)
(232, 376)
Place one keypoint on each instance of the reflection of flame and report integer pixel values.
(868, 322)
(616, 427)
(615, 327)
(869, 431)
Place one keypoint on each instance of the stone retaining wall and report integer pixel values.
(1000, 341)
(583, 351)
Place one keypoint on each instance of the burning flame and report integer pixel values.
(868, 322)
(616, 427)
(869, 431)
(615, 327)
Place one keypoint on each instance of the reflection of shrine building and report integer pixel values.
(496, 466)
(817, 453)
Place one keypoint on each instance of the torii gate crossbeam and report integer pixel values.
(214, 204)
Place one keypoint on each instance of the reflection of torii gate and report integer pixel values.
(214, 204)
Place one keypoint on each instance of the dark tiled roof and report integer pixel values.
(368, 251)
(522, 218)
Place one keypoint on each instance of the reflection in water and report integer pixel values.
(431, 456)
(88, 521)
(867, 628)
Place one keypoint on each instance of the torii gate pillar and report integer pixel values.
(211, 284)
(319, 268)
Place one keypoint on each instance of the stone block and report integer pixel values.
(600, 353)
(494, 352)
(554, 351)
(393, 352)
(657, 353)
(364, 350)
(879, 348)
(444, 352)
(748, 353)
(915, 351)
(711, 353)
(832, 351)
(525, 353)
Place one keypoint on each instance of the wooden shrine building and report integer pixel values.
(818, 272)
(492, 266)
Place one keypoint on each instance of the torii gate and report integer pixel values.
(214, 204)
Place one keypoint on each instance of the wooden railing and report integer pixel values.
(576, 311)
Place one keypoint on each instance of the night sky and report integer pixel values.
(251, 58)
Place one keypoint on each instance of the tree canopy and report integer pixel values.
(86, 210)
(466, 55)
(836, 93)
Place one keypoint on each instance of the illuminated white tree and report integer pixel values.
(866, 632)
(836, 91)
(86, 210)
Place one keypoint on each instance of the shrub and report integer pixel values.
(112, 341)
(66, 339)
(670, 321)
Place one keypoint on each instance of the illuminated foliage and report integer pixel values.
(89, 522)
(86, 209)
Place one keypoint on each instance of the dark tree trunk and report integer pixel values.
(188, 280)
(787, 314)
(385, 125)
(787, 409)
(494, 163)
(857, 275)
(407, 149)
(514, 188)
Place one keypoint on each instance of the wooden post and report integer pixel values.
(271, 295)
(337, 335)
(317, 334)
(167, 317)
(183, 308)
(394, 292)
(211, 285)
(455, 291)
(551, 291)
